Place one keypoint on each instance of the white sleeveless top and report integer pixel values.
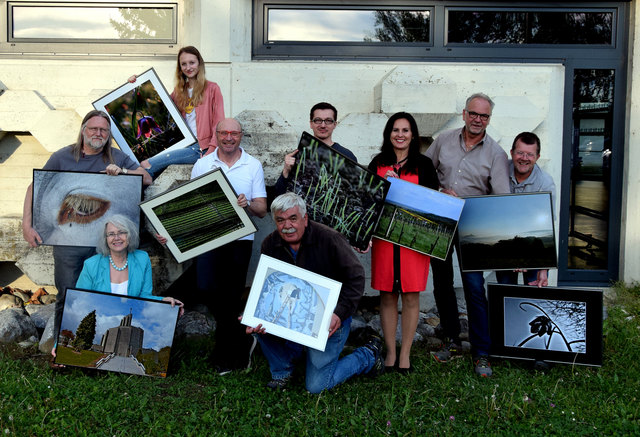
(120, 288)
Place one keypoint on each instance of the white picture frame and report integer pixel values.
(210, 222)
(147, 101)
(291, 302)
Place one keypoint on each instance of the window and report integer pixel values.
(412, 30)
(90, 27)
(339, 30)
(529, 27)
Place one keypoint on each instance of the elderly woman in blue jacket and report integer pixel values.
(119, 267)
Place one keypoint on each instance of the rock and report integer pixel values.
(21, 294)
(40, 314)
(29, 342)
(10, 301)
(16, 325)
(48, 299)
(194, 323)
(47, 341)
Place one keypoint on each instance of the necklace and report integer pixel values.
(398, 164)
(126, 263)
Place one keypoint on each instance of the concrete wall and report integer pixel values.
(47, 97)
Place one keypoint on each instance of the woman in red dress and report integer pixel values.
(398, 271)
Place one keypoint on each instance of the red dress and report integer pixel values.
(414, 266)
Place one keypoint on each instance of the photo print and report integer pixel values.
(507, 232)
(419, 218)
(116, 333)
(144, 119)
(70, 208)
(546, 324)
(198, 216)
(338, 192)
(291, 302)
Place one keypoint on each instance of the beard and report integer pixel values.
(95, 144)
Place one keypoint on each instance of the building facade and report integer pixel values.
(564, 70)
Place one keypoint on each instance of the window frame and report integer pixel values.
(438, 49)
(89, 47)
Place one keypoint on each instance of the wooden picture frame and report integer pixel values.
(199, 215)
(127, 334)
(291, 302)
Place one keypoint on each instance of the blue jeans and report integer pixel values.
(325, 369)
(188, 155)
(474, 295)
(511, 277)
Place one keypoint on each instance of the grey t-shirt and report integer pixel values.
(64, 160)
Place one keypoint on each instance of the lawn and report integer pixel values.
(436, 399)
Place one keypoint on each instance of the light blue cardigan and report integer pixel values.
(95, 275)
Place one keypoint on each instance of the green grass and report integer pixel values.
(436, 399)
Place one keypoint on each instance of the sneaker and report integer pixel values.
(483, 367)
(279, 384)
(375, 346)
(449, 350)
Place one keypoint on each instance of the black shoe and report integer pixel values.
(375, 346)
(279, 384)
(405, 370)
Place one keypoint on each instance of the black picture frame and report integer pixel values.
(124, 324)
(70, 208)
(507, 232)
(338, 191)
(561, 325)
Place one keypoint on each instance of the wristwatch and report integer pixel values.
(124, 170)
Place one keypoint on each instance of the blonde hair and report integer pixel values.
(182, 85)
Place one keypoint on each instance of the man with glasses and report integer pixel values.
(323, 119)
(222, 272)
(525, 176)
(92, 153)
(469, 163)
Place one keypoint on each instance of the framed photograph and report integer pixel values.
(291, 302)
(507, 232)
(338, 192)
(144, 119)
(198, 216)
(419, 218)
(546, 324)
(116, 333)
(71, 208)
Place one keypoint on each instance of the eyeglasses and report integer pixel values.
(522, 154)
(119, 234)
(102, 130)
(326, 121)
(233, 133)
(483, 117)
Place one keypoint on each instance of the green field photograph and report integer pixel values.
(419, 218)
(198, 216)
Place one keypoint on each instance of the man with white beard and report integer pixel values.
(91, 153)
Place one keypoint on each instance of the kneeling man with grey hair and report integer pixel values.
(317, 248)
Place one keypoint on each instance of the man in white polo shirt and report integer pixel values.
(222, 272)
